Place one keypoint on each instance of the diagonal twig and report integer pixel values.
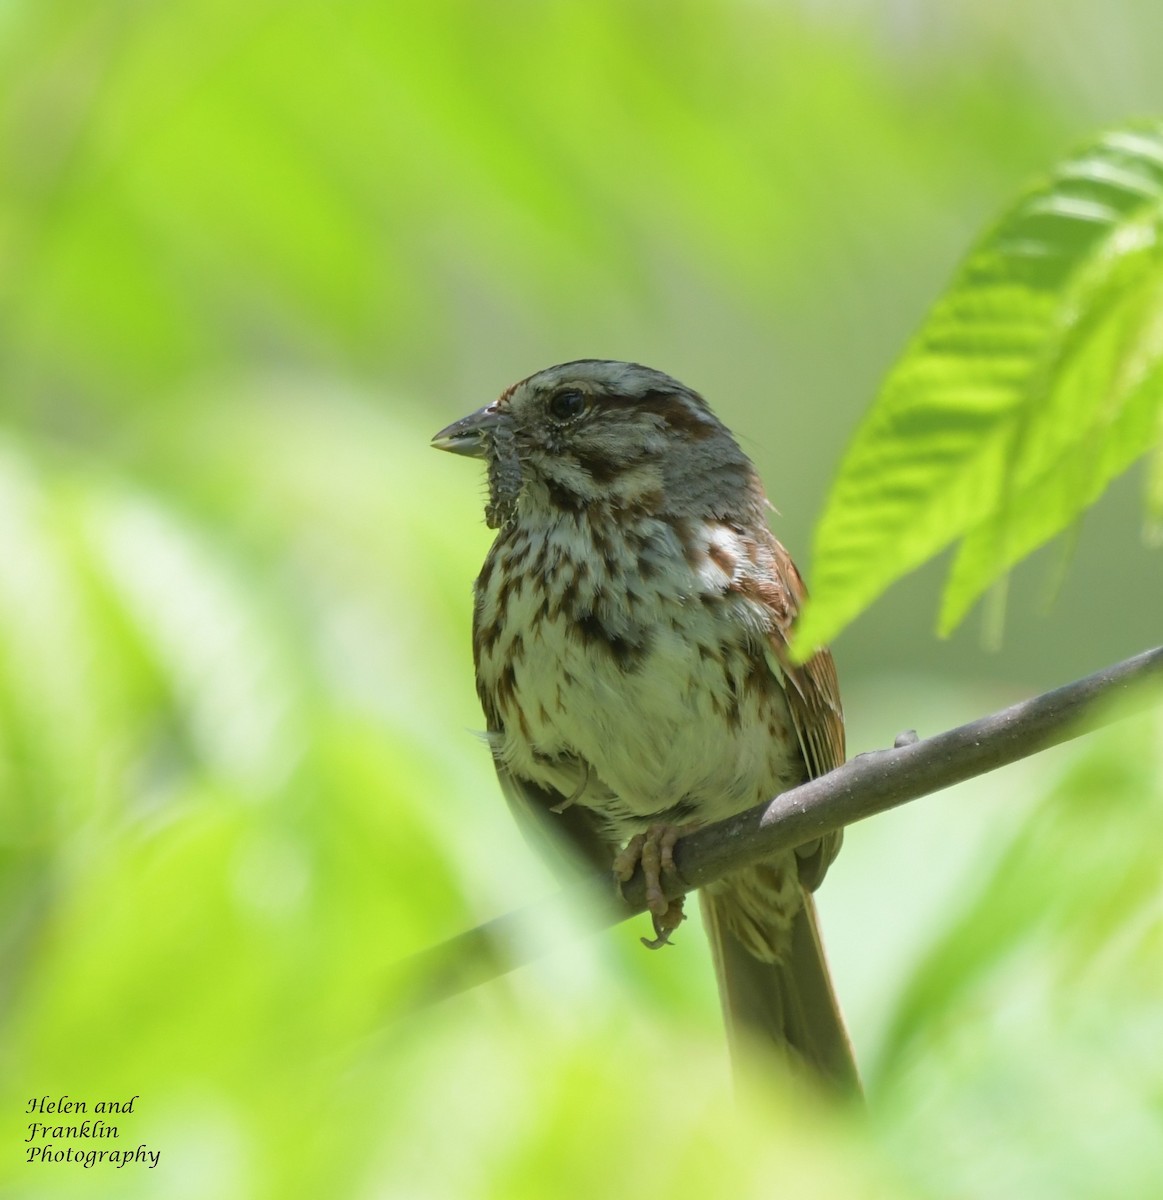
(868, 784)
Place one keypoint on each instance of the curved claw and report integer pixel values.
(664, 925)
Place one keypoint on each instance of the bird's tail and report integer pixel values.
(787, 1005)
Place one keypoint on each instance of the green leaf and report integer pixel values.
(1035, 380)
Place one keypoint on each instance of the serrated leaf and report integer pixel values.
(1034, 381)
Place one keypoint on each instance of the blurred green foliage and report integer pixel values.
(251, 257)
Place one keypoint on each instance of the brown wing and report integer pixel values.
(813, 691)
(811, 688)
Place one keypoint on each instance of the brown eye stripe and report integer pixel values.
(679, 414)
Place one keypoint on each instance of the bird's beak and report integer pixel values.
(467, 436)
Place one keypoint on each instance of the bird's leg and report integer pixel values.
(654, 849)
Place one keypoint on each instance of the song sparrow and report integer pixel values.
(630, 636)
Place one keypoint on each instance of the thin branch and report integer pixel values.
(868, 784)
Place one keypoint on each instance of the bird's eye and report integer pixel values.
(566, 404)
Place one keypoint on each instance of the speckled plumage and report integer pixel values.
(630, 638)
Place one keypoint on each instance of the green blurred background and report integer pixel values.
(251, 257)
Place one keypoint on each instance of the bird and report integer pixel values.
(631, 631)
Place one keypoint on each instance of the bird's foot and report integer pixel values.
(654, 849)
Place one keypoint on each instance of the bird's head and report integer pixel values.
(604, 438)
